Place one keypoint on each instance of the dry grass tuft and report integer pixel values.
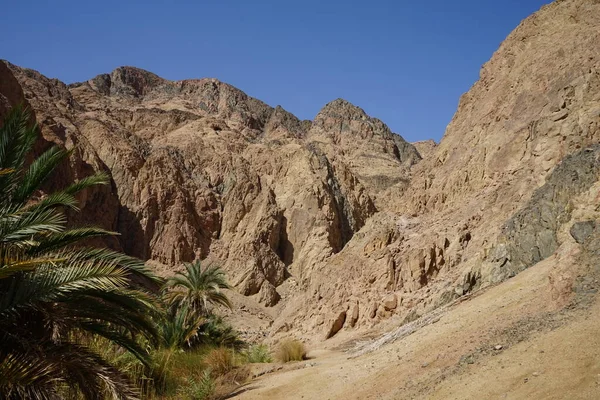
(220, 361)
(230, 382)
(291, 350)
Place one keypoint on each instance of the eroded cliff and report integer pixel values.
(338, 223)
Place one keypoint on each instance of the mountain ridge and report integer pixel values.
(336, 219)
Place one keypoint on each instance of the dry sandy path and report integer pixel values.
(546, 354)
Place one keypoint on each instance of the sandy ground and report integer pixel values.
(512, 341)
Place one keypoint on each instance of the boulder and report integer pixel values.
(580, 231)
(336, 324)
(390, 302)
(268, 295)
(354, 314)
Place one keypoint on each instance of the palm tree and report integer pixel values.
(179, 328)
(216, 332)
(198, 288)
(55, 294)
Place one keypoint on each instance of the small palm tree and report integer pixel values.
(198, 288)
(216, 332)
(55, 294)
(179, 328)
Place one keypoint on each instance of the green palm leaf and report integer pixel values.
(55, 293)
(58, 240)
(199, 288)
(100, 178)
(38, 172)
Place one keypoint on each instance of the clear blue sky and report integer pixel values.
(405, 62)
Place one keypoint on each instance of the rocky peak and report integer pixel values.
(536, 101)
(282, 123)
(127, 81)
(342, 109)
(341, 116)
(215, 97)
(200, 169)
(348, 128)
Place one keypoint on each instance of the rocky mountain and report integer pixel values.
(339, 224)
(200, 169)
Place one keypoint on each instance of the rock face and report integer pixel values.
(437, 237)
(336, 324)
(536, 101)
(390, 302)
(425, 147)
(11, 93)
(338, 223)
(531, 235)
(201, 170)
(580, 231)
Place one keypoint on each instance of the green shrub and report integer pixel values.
(216, 332)
(201, 388)
(258, 354)
(291, 350)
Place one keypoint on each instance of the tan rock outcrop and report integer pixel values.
(201, 170)
(316, 218)
(537, 101)
(390, 302)
(425, 147)
(354, 314)
(336, 324)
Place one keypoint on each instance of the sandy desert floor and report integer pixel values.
(511, 341)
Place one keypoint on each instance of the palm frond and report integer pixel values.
(132, 265)
(118, 337)
(17, 138)
(198, 288)
(50, 284)
(39, 170)
(179, 328)
(12, 266)
(54, 200)
(54, 294)
(21, 226)
(58, 240)
(100, 178)
(23, 376)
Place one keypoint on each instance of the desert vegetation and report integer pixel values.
(81, 322)
(258, 353)
(290, 350)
